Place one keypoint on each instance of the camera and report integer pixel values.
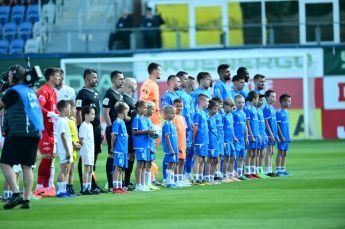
(32, 75)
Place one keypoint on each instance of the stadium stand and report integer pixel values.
(25, 30)
(3, 46)
(10, 31)
(32, 14)
(33, 46)
(17, 46)
(4, 14)
(18, 13)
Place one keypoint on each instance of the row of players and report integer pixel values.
(222, 132)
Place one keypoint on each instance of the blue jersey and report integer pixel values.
(261, 121)
(239, 125)
(121, 142)
(261, 92)
(220, 125)
(212, 133)
(168, 98)
(228, 123)
(235, 93)
(252, 116)
(140, 141)
(188, 107)
(152, 143)
(201, 121)
(269, 114)
(282, 116)
(169, 129)
(220, 90)
(196, 93)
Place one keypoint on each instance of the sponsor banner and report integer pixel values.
(274, 63)
(334, 61)
(297, 123)
(333, 124)
(334, 93)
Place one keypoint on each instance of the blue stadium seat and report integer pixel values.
(25, 30)
(10, 31)
(4, 14)
(17, 46)
(32, 14)
(3, 46)
(18, 13)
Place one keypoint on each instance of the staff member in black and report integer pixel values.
(111, 97)
(128, 90)
(89, 96)
(23, 125)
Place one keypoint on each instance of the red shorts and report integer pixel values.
(46, 144)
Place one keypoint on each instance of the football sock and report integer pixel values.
(172, 177)
(60, 187)
(211, 178)
(207, 178)
(283, 169)
(252, 169)
(80, 171)
(248, 170)
(85, 187)
(147, 178)
(168, 176)
(164, 169)
(89, 186)
(267, 170)
(195, 177)
(200, 177)
(240, 172)
(52, 174)
(109, 171)
(180, 177)
(278, 169)
(44, 172)
(128, 172)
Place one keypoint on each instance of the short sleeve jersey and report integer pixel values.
(47, 98)
(140, 141)
(228, 123)
(239, 125)
(181, 126)
(200, 120)
(252, 116)
(61, 126)
(282, 116)
(235, 93)
(121, 142)
(197, 92)
(220, 90)
(261, 121)
(152, 142)
(169, 129)
(111, 97)
(89, 97)
(220, 125)
(168, 98)
(269, 114)
(212, 133)
(188, 108)
(86, 133)
(149, 91)
(65, 93)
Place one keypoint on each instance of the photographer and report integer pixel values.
(22, 130)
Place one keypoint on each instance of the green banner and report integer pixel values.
(334, 61)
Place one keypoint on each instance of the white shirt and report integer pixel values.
(86, 133)
(65, 93)
(61, 126)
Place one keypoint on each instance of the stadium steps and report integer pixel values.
(97, 23)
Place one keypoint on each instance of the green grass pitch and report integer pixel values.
(314, 197)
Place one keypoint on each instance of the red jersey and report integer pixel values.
(47, 98)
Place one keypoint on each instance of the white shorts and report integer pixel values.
(88, 159)
(63, 159)
(17, 168)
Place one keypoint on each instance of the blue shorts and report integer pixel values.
(262, 144)
(230, 150)
(221, 148)
(283, 146)
(212, 153)
(254, 144)
(240, 150)
(141, 154)
(270, 143)
(170, 159)
(150, 157)
(201, 150)
(121, 160)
